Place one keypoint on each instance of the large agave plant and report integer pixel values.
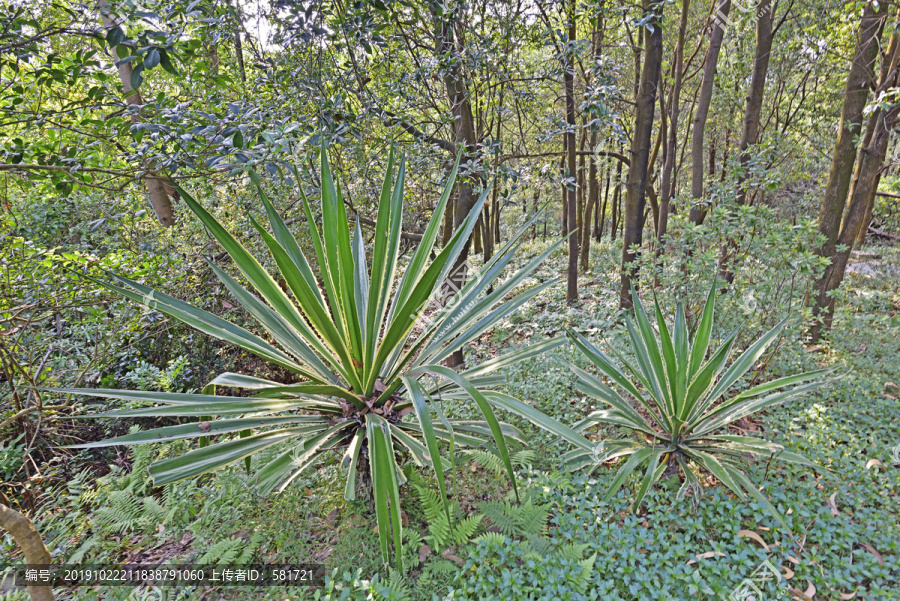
(346, 331)
(679, 407)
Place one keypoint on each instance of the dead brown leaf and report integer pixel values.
(424, 552)
(872, 550)
(833, 505)
(754, 536)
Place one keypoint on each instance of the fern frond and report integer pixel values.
(489, 461)
(394, 589)
(515, 520)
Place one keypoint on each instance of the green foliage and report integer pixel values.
(445, 531)
(233, 550)
(352, 350)
(503, 568)
(526, 519)
(684, 417)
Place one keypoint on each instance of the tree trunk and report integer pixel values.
(636, 183)
(29, 540)
(464, 137)
(704, 99)
(605, 202)
(666, 186)
(856, 94)
(564, 225)
(569, 79)
(614, 218)
(593, 197)
(158, 192)
(238, 44)
(750, 133)
(871, 158)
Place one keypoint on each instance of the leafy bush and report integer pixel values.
(359, 345)
(681, 419)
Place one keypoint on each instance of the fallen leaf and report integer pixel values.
(707, 555)
(810, 590)
(848, 596)
(788, 573)
(323, 554)
(832, 505)
(872, 462)
(793, 560)
(872, 550)
(448, 555)
(424, 552)
(227, 305)
(754, 536)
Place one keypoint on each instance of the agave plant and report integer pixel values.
(345, 331)
(679, 405)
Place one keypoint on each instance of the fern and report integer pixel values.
(489, 538)
(226, 551)
(443, 533)
(443, 567)
(246, 557)
(523, 458)
(516, 520)
(487, 460)
(124, 512)
(492, 462)
(394, 589)
(232, 550)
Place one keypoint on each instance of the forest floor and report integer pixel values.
(842, 539)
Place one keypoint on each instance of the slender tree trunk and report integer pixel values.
(636, 184)
(238, 44)
(464, 137)
(158, 192)
(569, 78)
(704, 99)
(750, 133)
(616, 204)
(605, 202)
(666, 185)
(29, 540)
(478, 231)
(449, 212)
(564, 225)
(856, 96)
(593, 194)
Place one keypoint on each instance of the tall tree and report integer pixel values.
(666, 184)
(157, 190)
(464, 137)
(840, 217)
(765, 33)
(717, 27)
(571, 180)
(636, 182)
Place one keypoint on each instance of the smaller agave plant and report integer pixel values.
(677, 403)
(365, 362)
